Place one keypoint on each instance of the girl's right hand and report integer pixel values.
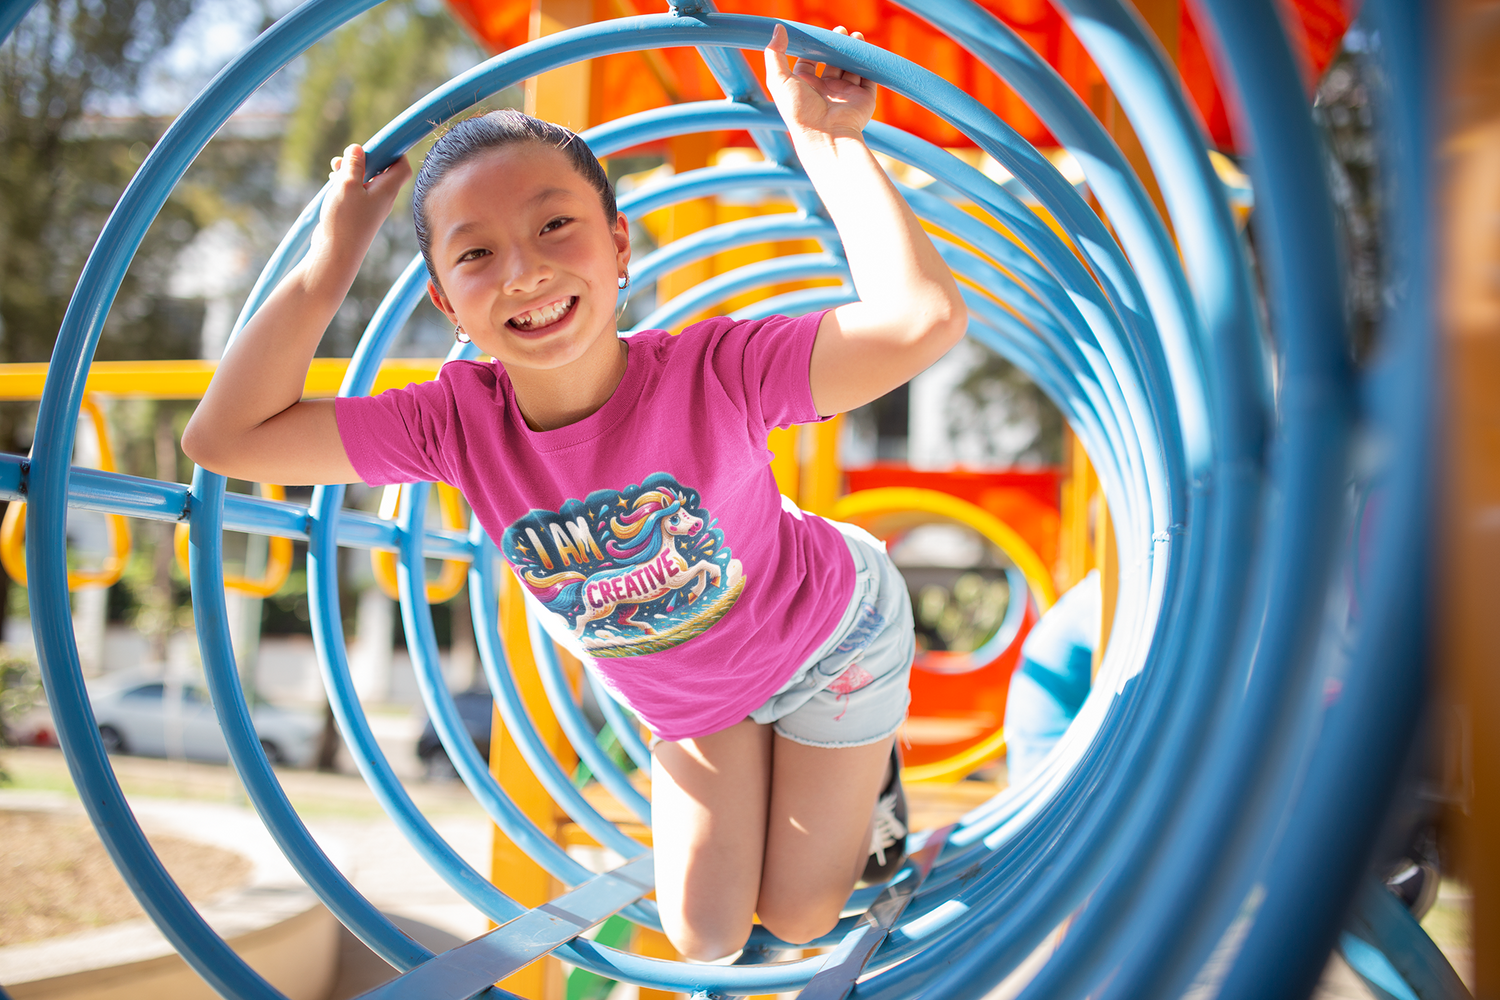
(252, 422)
(838, 103)
(353, 209)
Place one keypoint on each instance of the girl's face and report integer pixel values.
(528, 265)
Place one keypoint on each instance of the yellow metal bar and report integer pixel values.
(1466, 630)
(865, 506)
(455, 572)
(822, 478)
(960, 765)
(189, 379)
(783, 443)
(1106, 558)
(13, 526)
(512, 869)
(278, 556)
(1074, 552)
(1163, 18)
(561, 95)
(654, 944)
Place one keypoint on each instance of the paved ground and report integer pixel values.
(343, 815)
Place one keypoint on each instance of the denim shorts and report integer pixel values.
(853, 690)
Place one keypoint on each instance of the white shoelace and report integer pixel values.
(888, 830)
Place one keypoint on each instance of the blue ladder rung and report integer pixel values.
(472, 968)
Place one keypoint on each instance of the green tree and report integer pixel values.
(20, 692)
(1004, 418)
(63, 165)
(367, 73)
(353, 83)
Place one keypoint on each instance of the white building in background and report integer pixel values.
(216, 266)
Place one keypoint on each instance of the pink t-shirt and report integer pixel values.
(651, 531)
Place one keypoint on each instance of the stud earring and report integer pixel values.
(460, 336)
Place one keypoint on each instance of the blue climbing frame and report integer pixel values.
(1208, 817)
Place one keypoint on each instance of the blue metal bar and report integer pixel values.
(709, 181)
(1386, 927)
(1077, 928)
(1207, 867)
(49, 480)
(731, 70)
(13, 470)
(845, 963)
(1343, 796)
(730, 236)
(471, 968)
(206, 557)
(734, 282)
(422, 643)
(328, 638)
(114, 493)
(974, 231)
(153, 500)
(484, 600)
(12, 12)
(800, 302)
(1133, 217)
(624, 725)
(576, 728)
(795, 267)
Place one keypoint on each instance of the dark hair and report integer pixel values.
(496, 130)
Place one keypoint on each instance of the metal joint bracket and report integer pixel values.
(690, 8)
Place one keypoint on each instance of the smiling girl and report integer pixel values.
(628, 483)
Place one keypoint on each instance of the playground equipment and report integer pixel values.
(1207, 820)
(947, 683)
(117, 531)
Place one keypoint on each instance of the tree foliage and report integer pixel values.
(366, 74)
(66, 155)
(63, 166)
(354, 82)
(998, 417)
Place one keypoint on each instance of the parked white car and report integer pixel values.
(154, 718)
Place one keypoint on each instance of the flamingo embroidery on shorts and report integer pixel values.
(848, 682)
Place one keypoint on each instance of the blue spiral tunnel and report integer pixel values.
(1206, 826)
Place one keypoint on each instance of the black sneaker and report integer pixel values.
(888, 832)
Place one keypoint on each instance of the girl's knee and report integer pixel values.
(799, 924)
(708, 944)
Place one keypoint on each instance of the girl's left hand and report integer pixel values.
(838, 103)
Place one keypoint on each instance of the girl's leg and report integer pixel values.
(708, 825)
(818, 833)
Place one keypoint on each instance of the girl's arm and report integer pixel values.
(253, 423)
(909, 311)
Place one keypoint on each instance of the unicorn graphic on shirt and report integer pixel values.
(631, 571)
